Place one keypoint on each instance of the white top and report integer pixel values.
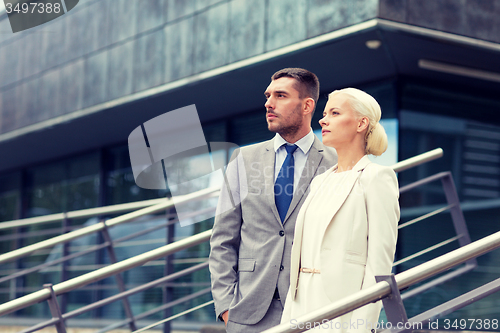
(310, 295)
(300, 155)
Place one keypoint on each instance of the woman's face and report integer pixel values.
(340, 123)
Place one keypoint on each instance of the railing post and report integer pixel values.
(55, 311)
(64, 265)
(393, 305)
(169, 269)
(119, 279)
(457, 215)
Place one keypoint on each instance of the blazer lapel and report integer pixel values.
(340, 193)
(312, 163)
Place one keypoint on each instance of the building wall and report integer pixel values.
(473, 18)
(104, 49)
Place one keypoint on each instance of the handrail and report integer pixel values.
(417, 160)
(104, 272)
(403, 280)
(83, 213)
(18, 253)
(112, 209)
(24, 251)
(116, 268)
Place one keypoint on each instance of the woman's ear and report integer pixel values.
(363, 124)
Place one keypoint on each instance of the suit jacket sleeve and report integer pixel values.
(382, 208)
(225, 240)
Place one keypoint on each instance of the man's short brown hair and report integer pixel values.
(307, 82)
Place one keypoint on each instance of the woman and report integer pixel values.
(346, 231)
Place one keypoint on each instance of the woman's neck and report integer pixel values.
(348, 158)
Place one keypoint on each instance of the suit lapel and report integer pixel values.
(312, 163)
(269, 161)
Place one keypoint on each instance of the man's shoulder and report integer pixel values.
(257, 147)
(329, 153)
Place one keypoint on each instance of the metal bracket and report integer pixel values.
(55, 310)
(393, 305)
(119, 280)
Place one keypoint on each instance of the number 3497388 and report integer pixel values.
(471, 324)
(33, 7)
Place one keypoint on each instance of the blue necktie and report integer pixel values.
(283, 187)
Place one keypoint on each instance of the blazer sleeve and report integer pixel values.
(382, 208)
(225, 239)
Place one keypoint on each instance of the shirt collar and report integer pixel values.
(304, 144)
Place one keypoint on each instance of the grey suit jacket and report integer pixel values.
(250, 247)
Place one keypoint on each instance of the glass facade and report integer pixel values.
(418, 118)
(432, 117)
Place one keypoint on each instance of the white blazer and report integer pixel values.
(360, 240)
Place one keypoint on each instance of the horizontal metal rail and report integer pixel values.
(120, 296)
(168, 203)
(403, 280)
(458, 302)
(417, 160)
(116, 243)
(84, 213)
(426, 216)
(174, 317)
(427, 250)
(158, 309)
(104, 272)
(437, 281)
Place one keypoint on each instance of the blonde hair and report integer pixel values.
(366, 106)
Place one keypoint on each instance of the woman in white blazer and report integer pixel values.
(346, 231)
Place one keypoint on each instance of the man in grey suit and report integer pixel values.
(266, 184)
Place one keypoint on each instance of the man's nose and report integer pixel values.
(269, 104)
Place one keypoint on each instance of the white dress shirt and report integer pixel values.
(300, 155)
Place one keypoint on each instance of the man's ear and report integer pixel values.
(308, 106)
(363, 124)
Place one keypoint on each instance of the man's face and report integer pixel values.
(283, 106)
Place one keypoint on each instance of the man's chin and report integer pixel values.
(272, 127)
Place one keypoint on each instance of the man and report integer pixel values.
(266, 184)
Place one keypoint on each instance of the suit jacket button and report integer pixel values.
(282, 233)
(282, 268)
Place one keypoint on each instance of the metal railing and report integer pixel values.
(108, 244)
(418, 160)
(49, 293)
(382, 289)
(166, 204)
(83, 213)
(460, 227)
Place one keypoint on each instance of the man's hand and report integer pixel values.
(225, 316)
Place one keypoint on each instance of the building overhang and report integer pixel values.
(366, 52)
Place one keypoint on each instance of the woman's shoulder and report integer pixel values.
(377, 173)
